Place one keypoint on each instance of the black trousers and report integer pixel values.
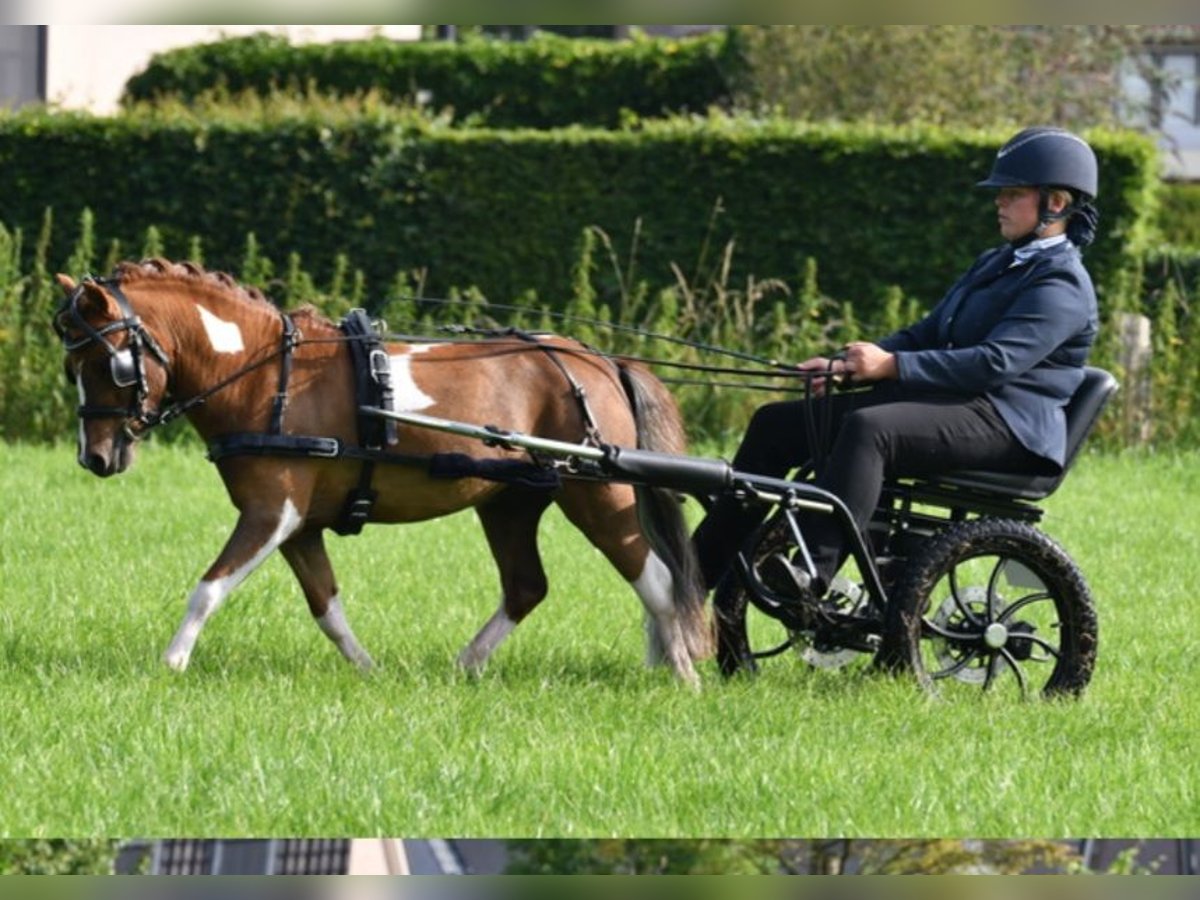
(877, 434)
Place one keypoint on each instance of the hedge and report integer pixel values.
(504, 210)
(1179, 214)
(543, 82)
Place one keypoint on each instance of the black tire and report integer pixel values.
(733, 644)
(993, 601)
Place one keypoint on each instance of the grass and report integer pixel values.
(567, 734)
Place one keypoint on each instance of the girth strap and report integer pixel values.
(372, 386)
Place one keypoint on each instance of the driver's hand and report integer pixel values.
(821, 364)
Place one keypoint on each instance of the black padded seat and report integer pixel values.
(1082, 411)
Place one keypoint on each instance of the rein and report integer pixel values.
(290, 340)
(770, 367)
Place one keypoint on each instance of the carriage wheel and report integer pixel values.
(994, 604)
(732, 600)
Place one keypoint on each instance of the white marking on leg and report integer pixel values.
(209, 595)
(406, 395)
(476, 654)
(225, 337)
(664, 637)
(337, 629)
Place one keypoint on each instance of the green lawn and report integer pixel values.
(567, 734)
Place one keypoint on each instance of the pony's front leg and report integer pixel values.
(257, 534)
(306, 555)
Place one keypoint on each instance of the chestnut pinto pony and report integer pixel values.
(156, 332)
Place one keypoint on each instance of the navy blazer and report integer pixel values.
(1018, 334)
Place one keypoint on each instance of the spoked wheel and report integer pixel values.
(995, 604)
(824, 646)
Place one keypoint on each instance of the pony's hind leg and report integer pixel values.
(305, 553)
(607, 515)
(510, 522)
(256, 535)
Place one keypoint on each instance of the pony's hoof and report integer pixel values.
(471, 671)
(176, 661)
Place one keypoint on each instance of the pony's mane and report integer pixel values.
(158, 268)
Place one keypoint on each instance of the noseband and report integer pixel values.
(126, 366)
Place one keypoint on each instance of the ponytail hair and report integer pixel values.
(1081, 226)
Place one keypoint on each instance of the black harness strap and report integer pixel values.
(590, 429)
(288, 344)
(372, 387)
(248, 443)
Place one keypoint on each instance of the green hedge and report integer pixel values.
(1179, 215)
(504, 210)
(544, 82)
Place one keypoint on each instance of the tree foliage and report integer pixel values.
(967, 75)
(788, 857)
(93, 856)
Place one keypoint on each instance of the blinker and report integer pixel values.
(124, 369)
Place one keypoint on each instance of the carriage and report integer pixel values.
(952, 581)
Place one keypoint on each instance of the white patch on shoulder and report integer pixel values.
(406, 395)
(225, 337)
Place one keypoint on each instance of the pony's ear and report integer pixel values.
(96, 300)
(66, 282)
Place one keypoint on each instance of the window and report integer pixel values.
(22, 64)
(1177, 101)
(1187, 101)
(249, 857)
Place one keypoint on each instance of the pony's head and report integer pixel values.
(118, 367)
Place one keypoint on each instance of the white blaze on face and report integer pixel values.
(225, 337)
(82, 402)
(406, 395)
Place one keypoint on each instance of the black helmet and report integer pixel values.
(1045, 157)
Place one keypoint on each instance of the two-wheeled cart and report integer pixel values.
(952, 580)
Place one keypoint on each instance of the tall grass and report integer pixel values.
(609, 306)
(566, 734)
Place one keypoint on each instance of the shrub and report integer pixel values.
(544, 82)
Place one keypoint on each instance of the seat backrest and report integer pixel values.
(1084, 408)
(1082, 411)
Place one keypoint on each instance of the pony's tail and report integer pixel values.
(660, 514)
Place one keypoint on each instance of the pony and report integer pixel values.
(159, 338)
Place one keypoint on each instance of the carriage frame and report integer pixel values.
(906, 610)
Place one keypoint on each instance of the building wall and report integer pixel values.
(87, 65)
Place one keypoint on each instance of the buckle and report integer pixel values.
(325, 448)
(380, 366)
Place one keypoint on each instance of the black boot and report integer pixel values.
(797, 592)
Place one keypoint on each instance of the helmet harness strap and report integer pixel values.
(1045, 216)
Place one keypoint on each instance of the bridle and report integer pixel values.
(127, 365)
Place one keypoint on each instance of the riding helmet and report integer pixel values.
(1045, 157)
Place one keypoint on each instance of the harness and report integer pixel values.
(373, 389)
(372, 386)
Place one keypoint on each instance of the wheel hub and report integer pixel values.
(995, 636)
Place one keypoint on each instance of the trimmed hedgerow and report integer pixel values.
(544, 82)
(504, 210)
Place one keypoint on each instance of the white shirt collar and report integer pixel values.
(1023, 253)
